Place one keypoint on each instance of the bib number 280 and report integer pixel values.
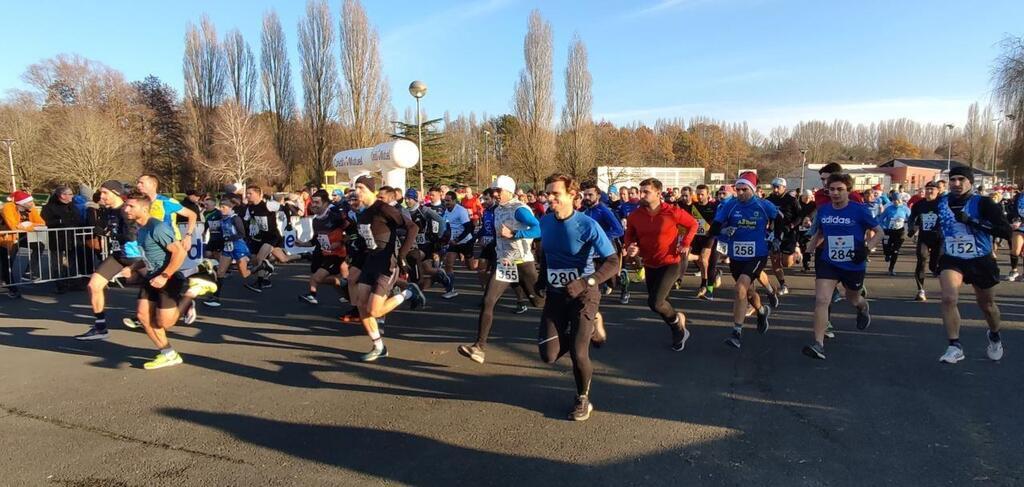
(562, 277)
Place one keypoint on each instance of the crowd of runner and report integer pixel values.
(561, 250)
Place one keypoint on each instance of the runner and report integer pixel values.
(570, 321)
(167, 209)
(894, 221)
(158, 297)
(516, 227)
(595, 209)
(214, 239)
(264, 237)
(806, 215)
(329, 252)
(968, 221)
(924, 215)
(460, 241)
(377, 227)
(746, 221)
(841, 231)
(233, 249)
(123, 260)
(653, 232)
(485, 255)
(784, 251)
(1016, 216)
(428, 242)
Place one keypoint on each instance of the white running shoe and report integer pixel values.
(994, 349)
(450, 294)
(190, 315)
(1014, 275)
(953, 355)
(921, 296)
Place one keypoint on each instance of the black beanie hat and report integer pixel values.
(368, 181)
(962, 171)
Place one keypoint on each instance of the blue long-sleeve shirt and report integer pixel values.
(894, 217)
(609, 223)
(525, 216)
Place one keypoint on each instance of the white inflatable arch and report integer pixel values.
(390, 159)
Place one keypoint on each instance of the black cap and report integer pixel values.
(962, 171)
(369, 181)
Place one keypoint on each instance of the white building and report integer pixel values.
(670, 177)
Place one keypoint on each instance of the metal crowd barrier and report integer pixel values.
(49, 254)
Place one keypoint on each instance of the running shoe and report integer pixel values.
(600, 335)
(921, 296)
(213, 302)
(701, 292)
(784, 290)
(442, 278)
(474, 352)
(678, 285)
(864, 291)
(418, 300)
(773, 299)
(606, 290)
(735, 340)
(162, 361)
(718, 278)
(815, 351)
(710, 295)
(679, 342)
(836, 295)
(864, 317)
(190, 315)
(1013, 276)
(267, 266)
(373, 355)
(266, 284)
(95, 334)
(13, 293)
(762, 319)
(253, 288)
(132, 323)
(450, 294)
(582, 410)
(624, 296)
(995, 349)
(198, 286)
(830, 331)
(892, 273)
(309, 298)
(520, 309)
(953, 355)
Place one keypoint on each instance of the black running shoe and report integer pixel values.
(815, 351)
(864, 318)
(520, 309)
(735, 340)
(773, 300)
(762, 319)
(253, 288)
(418, 300)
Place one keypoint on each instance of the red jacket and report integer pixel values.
(657, 234)
(822, 198)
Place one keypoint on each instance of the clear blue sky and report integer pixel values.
(765, 61)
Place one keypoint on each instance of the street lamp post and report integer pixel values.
(10, 161)
(949, 152)
(487, 162)
(803, 167)
(417, 89)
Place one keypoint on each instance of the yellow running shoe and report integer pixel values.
(199, 286)
(162, 361)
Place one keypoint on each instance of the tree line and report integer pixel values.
(239, 120)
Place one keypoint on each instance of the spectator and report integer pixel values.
(65, 261)
(18, 215)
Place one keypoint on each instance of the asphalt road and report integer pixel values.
(271, 394)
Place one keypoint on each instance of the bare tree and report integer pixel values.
(365, 98)
(244, 148)
(319, 78)
(577, 151)
(22, 121)
(87, 146)
(532, 147)
(1008, 77)
(241, 70)
(205, 77)
(276, 74)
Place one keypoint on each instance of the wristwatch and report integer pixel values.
(164, 275)
(591, 281)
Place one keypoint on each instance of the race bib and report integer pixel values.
(963, 246)
(506, 272)
(324, 240)
(562, 277)
(213, 225)
(435, 227)
(115, 245)
(897, 223)
(229, 246)
(885, 240)
(254, 229)
(367, 234)
(840, 248)
(743, 249)
(485, 241)
(261, 222)
(702, 228)
(722, 247)
(928, 221)
(421, 239)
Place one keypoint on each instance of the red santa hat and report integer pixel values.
(749, 179)
(21, 198)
